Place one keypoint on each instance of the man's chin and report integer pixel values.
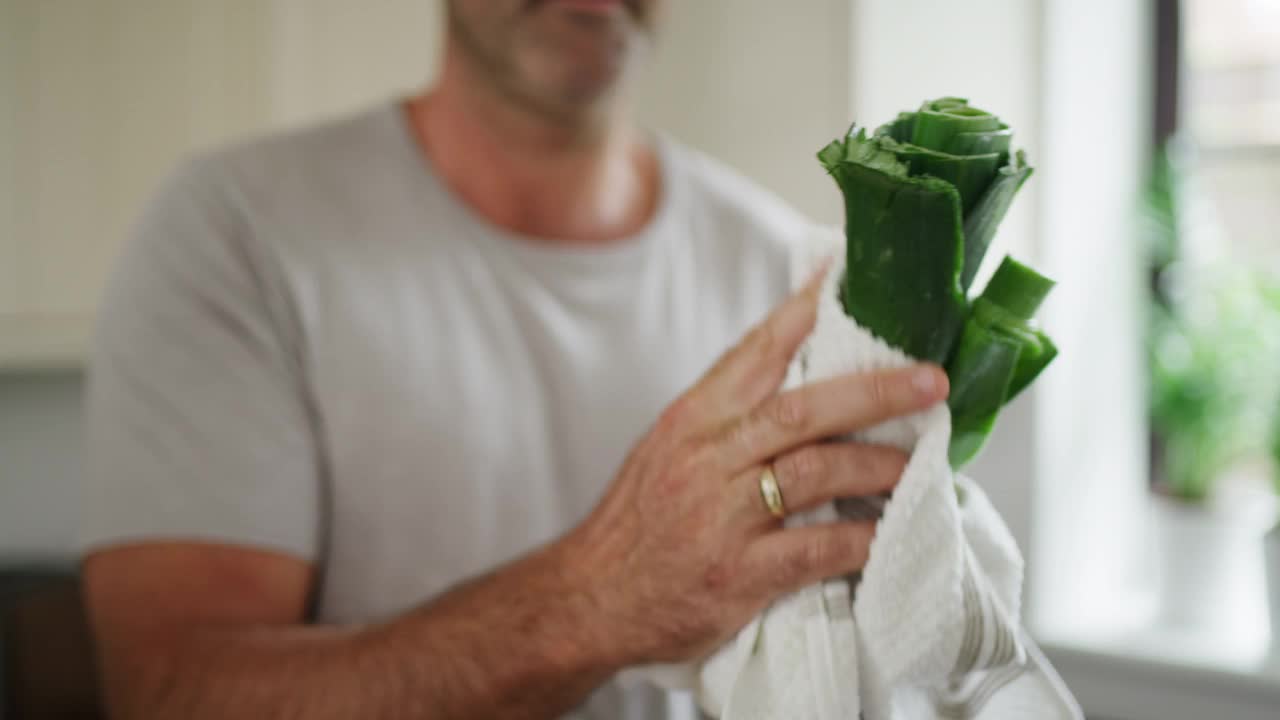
(573, 89)
(603, 8)
(586, 55)
(600, 8)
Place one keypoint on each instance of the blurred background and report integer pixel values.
(1140, 476)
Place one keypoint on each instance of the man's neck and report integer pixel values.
(564, 182)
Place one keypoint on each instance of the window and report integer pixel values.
(1161, 606)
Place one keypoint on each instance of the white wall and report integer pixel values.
(1091, 425)
(8, 154)
(905, 51)
(760, 84)
(330, 56)
(100, 97)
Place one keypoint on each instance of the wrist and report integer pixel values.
(598, 634)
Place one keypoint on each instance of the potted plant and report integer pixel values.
(1214, 338)
(1212, 404)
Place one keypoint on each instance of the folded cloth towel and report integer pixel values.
(930, 628)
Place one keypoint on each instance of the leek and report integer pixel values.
(924, 195)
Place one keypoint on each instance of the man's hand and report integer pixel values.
(682, 551)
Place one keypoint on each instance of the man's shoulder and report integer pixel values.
(241, 209)
(302, 164)
(730, 198)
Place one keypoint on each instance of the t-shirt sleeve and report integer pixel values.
(198, 425)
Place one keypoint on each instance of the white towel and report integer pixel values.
(931, 628)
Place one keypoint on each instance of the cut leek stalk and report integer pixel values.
(924, 195)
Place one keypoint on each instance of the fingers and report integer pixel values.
(827, 409)
(755, 367)
(817, 474)
(788, 560)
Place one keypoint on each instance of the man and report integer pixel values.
(363, 396)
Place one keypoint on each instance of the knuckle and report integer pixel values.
(717, 576)
(685, 467)
(894, 462)
(763, 337)
(789, 410)
(805, 467)
(738, 433)
(669, 486)
(677, 414)
(690, 464)
(877, 466)
(804, 559)
(879, 392)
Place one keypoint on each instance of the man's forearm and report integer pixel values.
(521, 642)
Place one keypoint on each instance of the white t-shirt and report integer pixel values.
(312, 346)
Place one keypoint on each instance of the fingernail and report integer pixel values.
(925, 381)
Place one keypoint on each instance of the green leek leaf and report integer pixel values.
(924, 196)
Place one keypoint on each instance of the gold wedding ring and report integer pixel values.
(771, 493)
